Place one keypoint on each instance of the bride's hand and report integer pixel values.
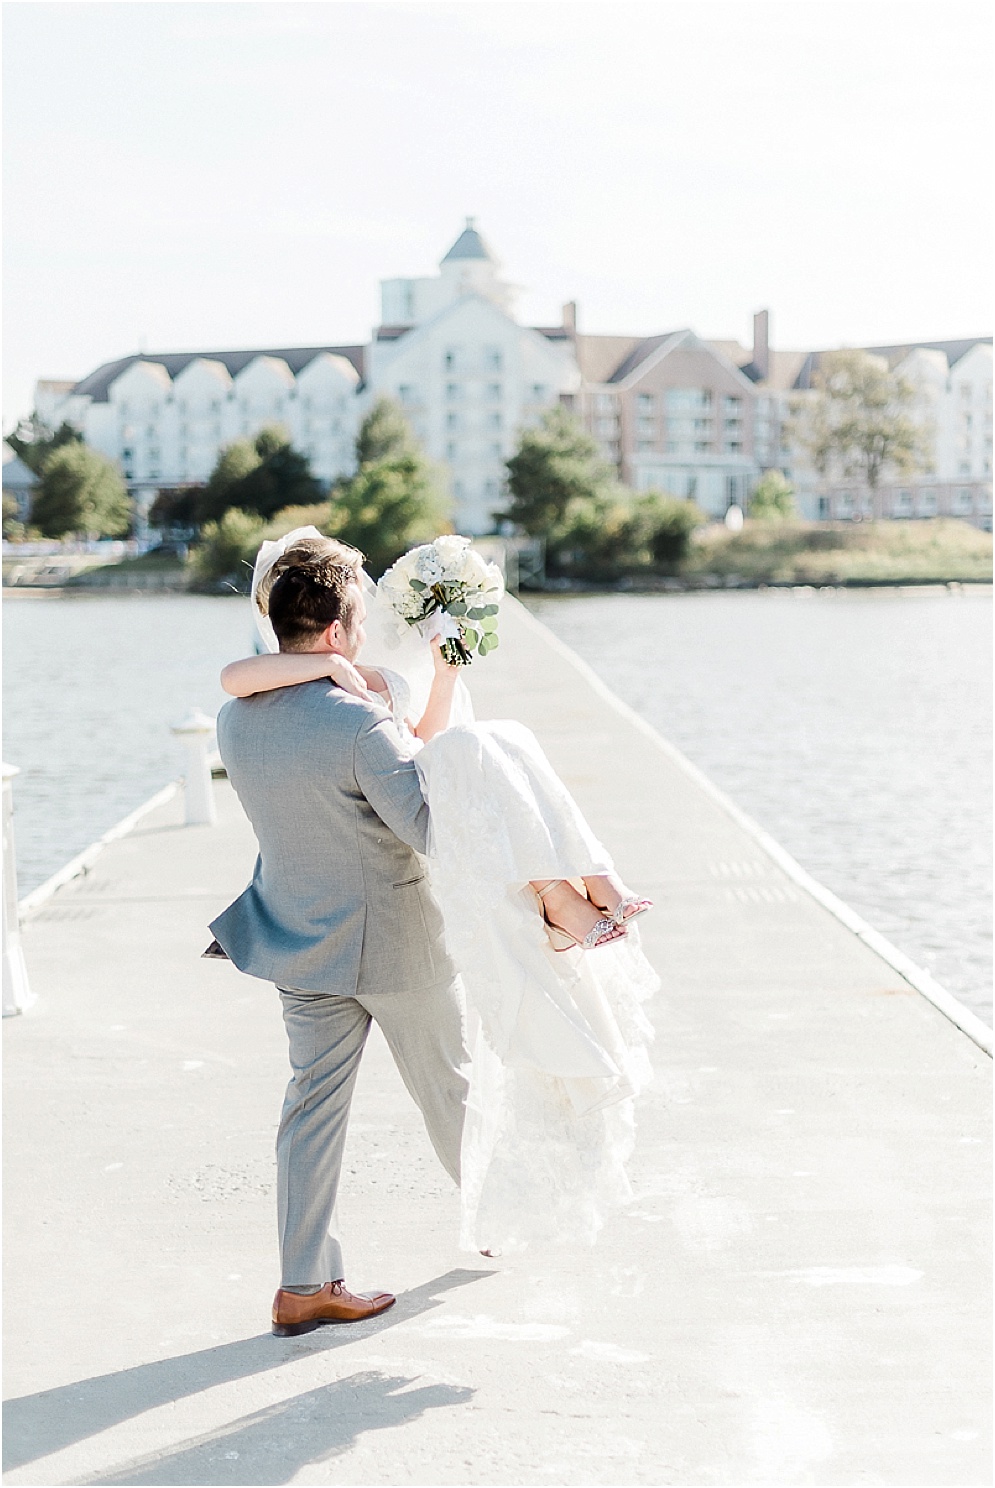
(443, 668)
(347, 677)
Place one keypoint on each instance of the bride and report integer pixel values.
(537, 922)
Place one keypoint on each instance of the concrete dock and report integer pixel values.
(798, 1294)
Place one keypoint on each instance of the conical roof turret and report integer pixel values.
(470, 244)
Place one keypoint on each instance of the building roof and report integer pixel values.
(783, 367)
(600, 355)
(952, 350)
(96, 385)
(469, 244)
(611, 359)
(643, 349)
(16, 475)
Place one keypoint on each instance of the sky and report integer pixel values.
(197, 176)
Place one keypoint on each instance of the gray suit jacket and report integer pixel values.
(338, 901)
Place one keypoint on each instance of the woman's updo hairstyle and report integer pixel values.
(308, 587)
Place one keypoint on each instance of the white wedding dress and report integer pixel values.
(559, 1046)
(558, 1039)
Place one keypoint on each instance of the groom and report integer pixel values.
(339, 916)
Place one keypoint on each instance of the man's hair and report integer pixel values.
(307, 588)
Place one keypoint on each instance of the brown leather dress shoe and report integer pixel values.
(293, 1314)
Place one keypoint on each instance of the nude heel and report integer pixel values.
(563, 940)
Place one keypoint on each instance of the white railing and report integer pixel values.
(197, 733)
(16, 990)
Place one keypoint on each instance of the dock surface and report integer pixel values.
(797, 1295)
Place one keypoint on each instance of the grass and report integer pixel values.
(937, 551)
(116, 575)
(150, 563)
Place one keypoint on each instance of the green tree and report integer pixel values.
(384, 434)
(623, 533)
(13, 528)
(282, 478)
(227, 549)
(772, 498)
(556, 480)
(671, 525)
(176, 506)
(271, 437)
(262, 475)
(81, 493)
(234, 463)
(34, 441)
(394, 500)
(860, 421)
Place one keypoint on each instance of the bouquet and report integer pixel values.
(447, 590)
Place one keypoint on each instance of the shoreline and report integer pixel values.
(710, 584)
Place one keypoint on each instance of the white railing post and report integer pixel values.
(16, 991)
(196, 731)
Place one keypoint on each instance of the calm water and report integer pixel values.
(855, 727)
(91, 686)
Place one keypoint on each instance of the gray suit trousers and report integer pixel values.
(425, 1032)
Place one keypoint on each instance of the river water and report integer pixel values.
(854, 726)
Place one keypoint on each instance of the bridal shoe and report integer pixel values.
(602, 933)
(626, 909)
(293, 1314)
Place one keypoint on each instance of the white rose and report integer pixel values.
(495, 583)
(450, 548)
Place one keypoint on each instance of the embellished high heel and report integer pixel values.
(626, 909)
(603, 933)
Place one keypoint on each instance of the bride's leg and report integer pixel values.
(609, 893)
(567, 910)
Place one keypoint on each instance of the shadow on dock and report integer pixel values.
(37, 1425)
